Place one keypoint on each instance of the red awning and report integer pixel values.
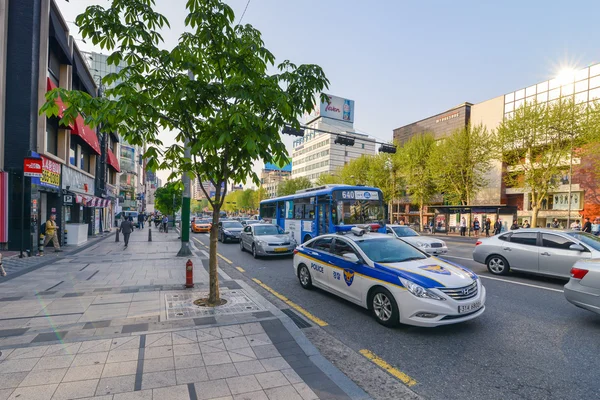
(61, 105)
(86, 133)
(112, 161)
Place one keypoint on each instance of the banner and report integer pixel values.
(32, 167)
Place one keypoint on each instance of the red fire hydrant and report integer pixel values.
(189, 274)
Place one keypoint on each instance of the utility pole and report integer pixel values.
(185, 204)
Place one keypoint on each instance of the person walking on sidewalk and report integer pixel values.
(165, 222)
(2, 271)
(587, 226)
(141, 218)
(463, 226)
(476, 227)
(487, 225)
(126, 229)
(51, 233)
(497, 227)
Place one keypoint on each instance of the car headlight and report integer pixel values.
(423, 245)
(418, 290)
(261, 242)
(225, 231)
(443, 243)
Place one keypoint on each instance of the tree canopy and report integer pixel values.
(167, 199)
(291, 186)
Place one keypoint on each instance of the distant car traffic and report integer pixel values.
(251, 222)
(394, 280)
(541, 251)
(427, 244)
(266, 240)
(201, 225)
(583, 289)
(229, 230)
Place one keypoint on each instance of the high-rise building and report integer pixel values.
(317, 153)
(271, 176)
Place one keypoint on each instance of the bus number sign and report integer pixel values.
(348, 194)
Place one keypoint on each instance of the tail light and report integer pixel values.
(578, 273)
(295, 251)
(478, 243)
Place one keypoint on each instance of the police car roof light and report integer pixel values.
(358, 231)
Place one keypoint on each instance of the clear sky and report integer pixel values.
(403, 61)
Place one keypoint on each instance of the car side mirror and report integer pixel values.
(350, 257)
(576, 247)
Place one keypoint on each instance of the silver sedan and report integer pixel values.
(583, 289)
(427, 244)
(266, 240)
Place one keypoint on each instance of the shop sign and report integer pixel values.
(68, 200)
(51, 173)
(335, 107)
(447, 117)
(32, 167)
(77, 181)
(561, 201)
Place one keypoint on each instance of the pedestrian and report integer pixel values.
(432, 226)
(587, 226)
(141, 218)
(526, 224)
(476, 227)
(487, 226)
(51, 233)
(165, 222)
(497, 227)
(596, 227)
(401, 222)
(463, 226)
(2, 271)
(126, 229)
(555, 224)
(576, 226)
(514, 226)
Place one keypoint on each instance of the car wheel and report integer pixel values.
(498, 265)
(242, 246)
(384, 307)
(219, 237)
(304, 277)
(254, 254)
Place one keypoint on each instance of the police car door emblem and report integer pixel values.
(436, 269)
(348, 276)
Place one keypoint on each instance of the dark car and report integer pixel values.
(229, 230)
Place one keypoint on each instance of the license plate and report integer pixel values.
(469, 307)
(281, 249)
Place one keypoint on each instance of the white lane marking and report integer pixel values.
(205, 253)
(521, 283)
(460, 258)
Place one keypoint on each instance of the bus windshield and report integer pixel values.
(353, 211)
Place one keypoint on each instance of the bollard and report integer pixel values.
(149, 234)
(41, 244)
(117, 235)
(189, 274)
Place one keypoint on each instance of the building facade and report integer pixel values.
(271, 176)
(439, 125)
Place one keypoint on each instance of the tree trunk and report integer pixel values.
(534, 215)
(214, 297)
(421, 217)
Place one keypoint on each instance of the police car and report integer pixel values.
(396, 281)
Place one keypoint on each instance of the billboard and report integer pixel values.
(335, 108)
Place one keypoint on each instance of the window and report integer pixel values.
(52, 136)
(53, 66)
(542, 87)
(73, 153)
(595, 82)
(595, 70)
(556, 242)
(298, 211)
(84, 160)
(363, 145)
(323, 244)
(509, 98)
(508, 107)
(504, 238)
(542, 97)
(529, 238)
(342, 247)
(309, 211)
(248, 229)
(530, 91)
(581, 86)
(568, 89)
(582, 74)
(554, 94)
(267, 210)
(519, 94)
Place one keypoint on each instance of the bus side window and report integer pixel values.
(334, 216)
(298, 211)
(309, 211)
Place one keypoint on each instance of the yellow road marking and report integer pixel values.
(240, 269)
(290, 303)
(407, 380)
(225, 259)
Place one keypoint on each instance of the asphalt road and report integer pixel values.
(529, 344)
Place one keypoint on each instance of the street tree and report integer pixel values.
(356, 172)
(415, 169)
(214, 89)
(167, 199)
(328, 179)
(460, 161)
(291, 186)
(261, 194)
(537, 146)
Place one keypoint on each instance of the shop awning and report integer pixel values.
(112, 161)
(86, 133)
(61, 105)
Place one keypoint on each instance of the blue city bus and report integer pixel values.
(326, 209)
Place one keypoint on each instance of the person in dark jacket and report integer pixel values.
(487, 225)
(587, 226)
(126, 229)
(497, 227)
(141, 218)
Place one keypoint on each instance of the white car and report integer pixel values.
(396, 281)
(583, 289)
(427, 244)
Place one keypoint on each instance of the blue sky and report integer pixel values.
(404, 61)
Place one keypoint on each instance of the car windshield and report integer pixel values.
(232, 224)
(404, 232)
(203, 221)
(590, 240)
(268, 230)
(252, 222)
(389, 250)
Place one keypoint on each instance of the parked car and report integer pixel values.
(266, 240)
(541, 251)
(427, 244)
(583, 289)
(229, 230)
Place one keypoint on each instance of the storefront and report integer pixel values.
(447, 219)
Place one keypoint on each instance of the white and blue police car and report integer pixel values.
(396, 281)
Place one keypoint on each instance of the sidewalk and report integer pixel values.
(110, 323)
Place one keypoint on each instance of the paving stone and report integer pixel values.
(236, 343)
(42, 377)
(63, 349)
(266, 351)
(212, 346)
(139, 395)
(5, 353)
(260, 395)
(125, 343)
(161, 364)
(83, 373)
(243, 354)
(95, 346)
(221, 357)
(274, 364)
(119, 369)
(189, 361)
(191, 375)
(212, 389)
(158, 352)
(28, 352)
(283, 393)
(5, 393)
(42, 392)
(231, 331)
(153, 380)
(49, 337)
(186, 349)
(291, 376)
(243, 384)
(97, 324)
(222, 371)
(208, 334)
(258, 339)
(116, 384)
(180, 392)
(135, 328)
(89, 359)
(305, 391)
(158, 339)
(184, 337)
(106, 397)
(122, 355)
(249, 367)
(19, 365)
(13, 379)
(74, 390)
(252, 328)
(272, 379)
